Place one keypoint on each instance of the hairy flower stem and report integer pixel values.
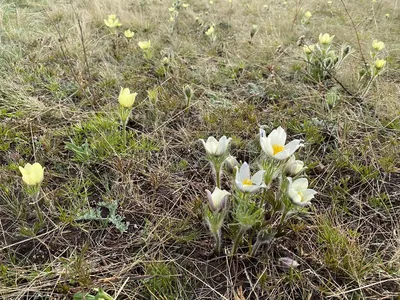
(217, 169)
(218, 243)
(124, 134)
(367, 88)
(238, 239)
(124, 116)
(35, 200)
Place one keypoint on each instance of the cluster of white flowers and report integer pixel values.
(274, 146)
(276, 161)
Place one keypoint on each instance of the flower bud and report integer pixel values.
(188, 91)
(293, 166)
(231, 163)
(288, 262)
(217, 199)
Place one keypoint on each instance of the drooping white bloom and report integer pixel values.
(247, 183)
(288, 262)
(274, 145)
(217, 199)
(299, 193)
(293, 166)
(216, 148)
(231, 163)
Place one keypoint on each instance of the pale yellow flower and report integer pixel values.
(112, 21)
(210, 31)
(378, 45)
(380, 64)
(146, 45)
(126, 99)
(325, 39)
(308, 14)
(308, 49)
(129, 34)
(32, 174)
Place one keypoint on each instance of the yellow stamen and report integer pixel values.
(277, 148)
(301, 196)
(247, 181)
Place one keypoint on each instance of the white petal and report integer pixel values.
(237, 177)
(223, 145)
(293, 146)
(300, 184)
(308, 194)
(244, 172)
(218, 193)
(266, 146)
(212, 145)
(238, 183)
(294, 196)
(250, 188)
(278, 136)
(258, 178)
(282, 155)
(210, 202)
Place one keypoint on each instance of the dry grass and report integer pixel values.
(60, 73)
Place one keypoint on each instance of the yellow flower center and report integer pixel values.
(247, 181)
(301, 196)
(277, 148)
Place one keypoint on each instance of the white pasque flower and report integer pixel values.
(293, 166)
(274, 145)
(247, 183)
(299, 193)
(217, 199)
(216, 148)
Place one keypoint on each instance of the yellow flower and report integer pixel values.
(378, 45)
(126, 99)
(379, 64)
(185, 5)
(112, 21)
(308, 14)
(210, 30)
(32, 174)
(129, 34)
(165, 61)
(146, 45)
(325, 39)
(308, 49)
